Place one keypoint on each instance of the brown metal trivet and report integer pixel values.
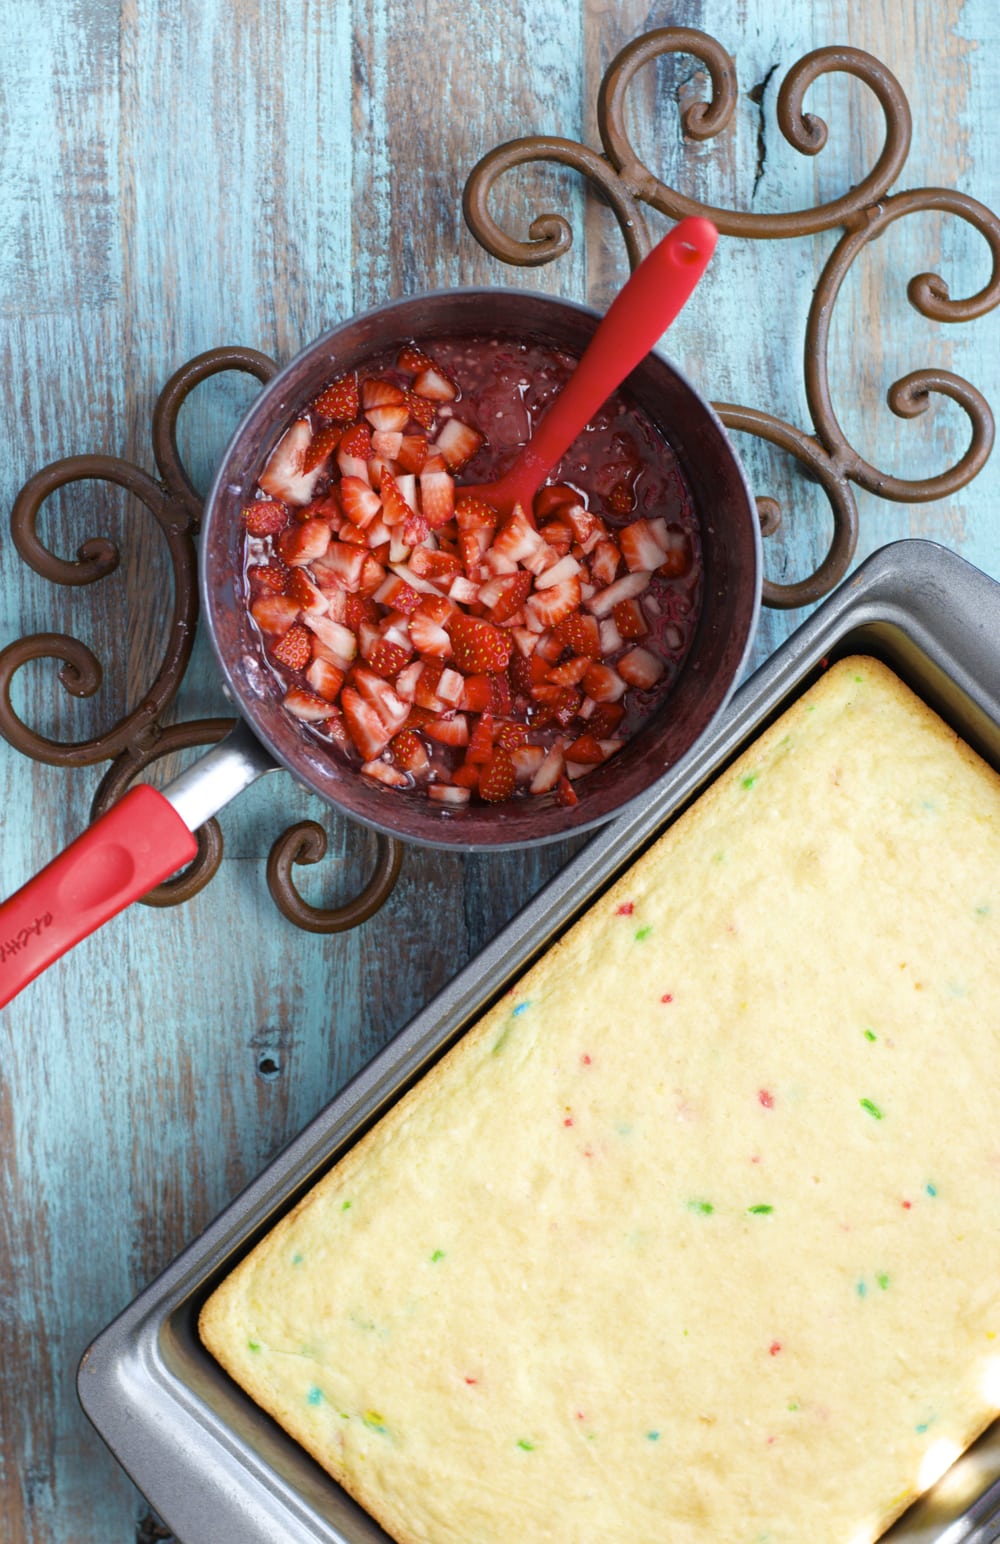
(626, 184)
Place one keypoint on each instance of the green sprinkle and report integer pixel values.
(793, 1405)
(870, 1034)
(642, 933)
(525, 1445)
(705, 1208)
(983, 911)
(749, 780)
(374, 1421)
(872, 1108)
(883, 1280)
(931, 1190)
(346, 1206)
(437, 1255)
(297, 1258)
(315, 1395)
(254, 1345)
(922, 1427)
(760, 1211)
(859, 678)
(653, 1436)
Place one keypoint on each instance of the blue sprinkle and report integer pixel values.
(931, 1190)
(862, 1289)
(654, 1436)
(923, 1427)
(521, 1008)
(296, 1258)
(315, 1395)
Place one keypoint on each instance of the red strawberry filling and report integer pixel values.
(436, 641)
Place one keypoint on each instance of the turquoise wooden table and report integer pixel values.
(176, 177)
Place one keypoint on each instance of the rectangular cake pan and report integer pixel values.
(219, 1471)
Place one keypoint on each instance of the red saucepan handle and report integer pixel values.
(121, 857)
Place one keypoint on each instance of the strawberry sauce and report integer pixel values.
(437, 642)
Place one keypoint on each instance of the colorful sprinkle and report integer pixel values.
(931, 1190)
(374, 1421)
(907, 1206)
(585, 1059)
(749, 780)
(766, 1099)
(774, 1347)
(653, 1436)
(883, 1280)
(667, 997)
(870, 1035)
(705, 1208)
(861, 1289)
(521, 1008)
(625, 909)
(793, 1405)
(346, 1206)
(642, 933)
(871, 1108)
(760, 1211)
(436, 1256)
(315, 1395)
(525, 1445)
(297, 1258)
(472, 1380)
(254, 1345)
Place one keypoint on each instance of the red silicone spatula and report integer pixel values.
(635, 320)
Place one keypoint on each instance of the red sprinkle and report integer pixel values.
(471, 1380)
(625, 909)
(774, 1347)
(667, 997)
(585, 1059)
(766, 1099)
(568, 1121)
(907, 1205)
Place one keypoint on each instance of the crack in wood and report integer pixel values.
(756, 95)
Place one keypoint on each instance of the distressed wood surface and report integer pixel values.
(177, 176)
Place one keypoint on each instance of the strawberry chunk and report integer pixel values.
(356, 442)
(640, 668)
(546, 608)
(302, 544)
(498, 779)
(422, 411)
(481, 741)
(412, 453)
(604, 684)
(585, 749)
(366, 729)
(639, 546)
(274, 614)
(320, 448)
(605, 720)
(413, 360)
(451, 729)
(383, 404)
(294, 648)
(359, 501)
(433, 384)
(382, 772)
(306, 706)
(267, 577)
(478, 647)
(409, 752)
(512, 592)
(300, 589)
(580, 633)
(325, 679)
(284, 476)
(437, 497)
(387, 659)
(339, 400)
(630, 619)
(265, 518)
(552, 497)
(458, 443)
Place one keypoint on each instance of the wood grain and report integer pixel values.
(173, 177)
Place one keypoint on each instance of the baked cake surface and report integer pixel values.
(696, 1235)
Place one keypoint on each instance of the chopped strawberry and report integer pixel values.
(422, 411)
(548, 607)
(306, 705)
(603, 603)
(269, 577)
(448, 793)
(512, 735)
(415, 530)
(497, 780)
(513, 591)
(334, 640)
(386, 444)
(413, 360)
(265, 518)
(382, 772)
(433, 384)
(527, 759)
(604, 561)
(640, 668)
(437, 497)
(360, 501)
(572, 672)
(342, 564)
(412, 453)
(387, 659)
(365, 727)
(517, 538)
(551, 497)
(283, 477)
(458, 443)
(356, 442)
(478, 646)
(621, 499)
(409, 752)
(305, 594)
(339, 400)
(605, 720)
(549, 771)
(556, 705)
(630, 619)
(303, 544)
(579, 632)
(566, 794)
(395, 592)
(486, 694)
(467, 775)
(438, 607)
(678, 557)
(383, 404)
(450, 686)
(439, 567)
(451, 729)
(391, 708)
(603, 684)
(558, 534)
(474, 514)
(320, 448)
(640, 547)
(294, 648)
(481, 740)
(325, 679)
(585, 749)
(429, 637)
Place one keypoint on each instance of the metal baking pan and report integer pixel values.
(212, 1465)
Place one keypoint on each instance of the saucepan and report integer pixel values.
(148, 835)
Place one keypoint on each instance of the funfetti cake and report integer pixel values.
(695, 1237)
